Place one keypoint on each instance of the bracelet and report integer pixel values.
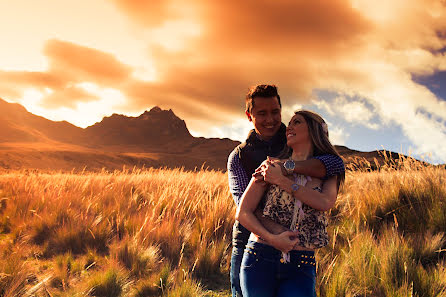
(294, 188)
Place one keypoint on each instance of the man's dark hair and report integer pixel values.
(263, 91)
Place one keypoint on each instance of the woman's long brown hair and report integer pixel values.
(319, 138)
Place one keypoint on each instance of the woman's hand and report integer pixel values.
(270, 171)
(284, 241)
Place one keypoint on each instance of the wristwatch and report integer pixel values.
(289, 166)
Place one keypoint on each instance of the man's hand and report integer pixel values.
(284, 241)
(258, 178)
(258, 173)
(269, 171)
(274, 161)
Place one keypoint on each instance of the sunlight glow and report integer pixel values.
(379, 10)
(144, 73)
(237, 130)
(85, 114)
(174, 35)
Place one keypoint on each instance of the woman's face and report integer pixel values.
(297, 131)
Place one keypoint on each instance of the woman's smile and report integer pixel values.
(297, 130)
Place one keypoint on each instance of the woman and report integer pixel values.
(279, 258)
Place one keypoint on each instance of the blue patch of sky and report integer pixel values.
(388, 136)
(442, 35)
(436, 83)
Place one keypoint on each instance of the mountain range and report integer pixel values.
(156, 138)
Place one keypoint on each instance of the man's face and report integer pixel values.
(266, 116)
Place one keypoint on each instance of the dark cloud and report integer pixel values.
(67, 96)
(78, 63)
(243, 43)
(146, 12)
(260, 26)
(284, 26)
(69, 64)
(21, 79)
(12, 83)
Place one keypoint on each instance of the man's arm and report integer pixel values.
(238, 183)
(322, 166)
(237, 176)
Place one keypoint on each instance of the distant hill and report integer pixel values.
(156, 138)
(19, 125)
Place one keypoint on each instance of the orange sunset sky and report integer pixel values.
(375, 70)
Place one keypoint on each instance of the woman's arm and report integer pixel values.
(284, 241)
(322, 201)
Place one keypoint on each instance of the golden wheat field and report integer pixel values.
(167, 232)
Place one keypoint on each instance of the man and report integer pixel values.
(263, 109)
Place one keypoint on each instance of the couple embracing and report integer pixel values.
(283, 180)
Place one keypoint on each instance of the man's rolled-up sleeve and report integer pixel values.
(333, 164)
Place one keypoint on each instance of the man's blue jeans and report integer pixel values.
(264, 274)
(240, 236)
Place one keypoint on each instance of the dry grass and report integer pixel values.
(167, 233)
(143, 223)
(387, 234)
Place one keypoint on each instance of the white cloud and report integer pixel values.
(338, 136)
(428, 135)
(237, 130)
(396, 99)
(324, 105)
(288, 112)
(355, 112)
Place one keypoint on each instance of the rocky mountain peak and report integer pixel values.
(158, 113)
(153, 126)
(155, 110)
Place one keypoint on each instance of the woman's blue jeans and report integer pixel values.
(264, 274)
